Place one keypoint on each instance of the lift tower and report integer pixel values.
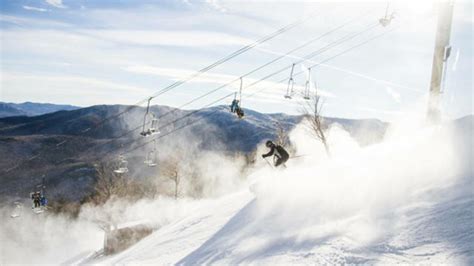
(440, 57)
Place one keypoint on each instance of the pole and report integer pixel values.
(441, 54)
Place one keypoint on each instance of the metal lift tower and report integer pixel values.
(441, 55)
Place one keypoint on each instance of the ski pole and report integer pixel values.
(268, 162)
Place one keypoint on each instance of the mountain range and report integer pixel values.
(31, 109)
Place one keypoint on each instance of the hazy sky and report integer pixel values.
(104, 52)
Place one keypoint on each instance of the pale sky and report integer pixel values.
(119, 52)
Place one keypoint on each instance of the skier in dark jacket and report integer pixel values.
(278, 151)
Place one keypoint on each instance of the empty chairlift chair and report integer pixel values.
(289, 89)
(307, 86)
(151, 159)
(385, 20)
(150, 122)
(122, 167)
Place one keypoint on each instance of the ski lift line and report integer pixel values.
(320, 36)
(170, 123)
(198, 110)
(240, 51)
(344, 51)
(330, 58)
(355, 74)
(333, 44)
(315, 53)
(278, 32)
(351, 48)
(174, 130)
(268, 63)
(211, 66)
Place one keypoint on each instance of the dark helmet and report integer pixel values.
(269, 143)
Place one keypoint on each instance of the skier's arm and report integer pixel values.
(270, 153)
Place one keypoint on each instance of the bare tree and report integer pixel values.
(170, 168)
(108, 183)
(312, 113)
(282, 134)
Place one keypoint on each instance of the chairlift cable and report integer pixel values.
(327, 47)
(332, 57)
(315, 53)
(209, 67)
(315, 65)
(318, 37)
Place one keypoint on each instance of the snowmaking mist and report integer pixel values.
(354, 192)
(50, 238)
(45, 239)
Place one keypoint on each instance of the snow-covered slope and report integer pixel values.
(406, 200)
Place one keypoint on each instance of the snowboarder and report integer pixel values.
(280, 153)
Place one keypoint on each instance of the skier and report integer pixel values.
(278, 151)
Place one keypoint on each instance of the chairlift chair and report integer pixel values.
(385, 21)
(17, 210)
(149, 119)
(236, 105)
(150, 158)
(122, 166)
(307, 86)
(289, 88)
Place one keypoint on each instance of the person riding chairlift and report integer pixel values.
(235, 108)
(36, 197)
(43, 200)
(280, 153)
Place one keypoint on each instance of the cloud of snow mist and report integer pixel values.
(357, 190)
(52, 238)
(45, 238)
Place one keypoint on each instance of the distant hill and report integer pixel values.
(31, 109)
